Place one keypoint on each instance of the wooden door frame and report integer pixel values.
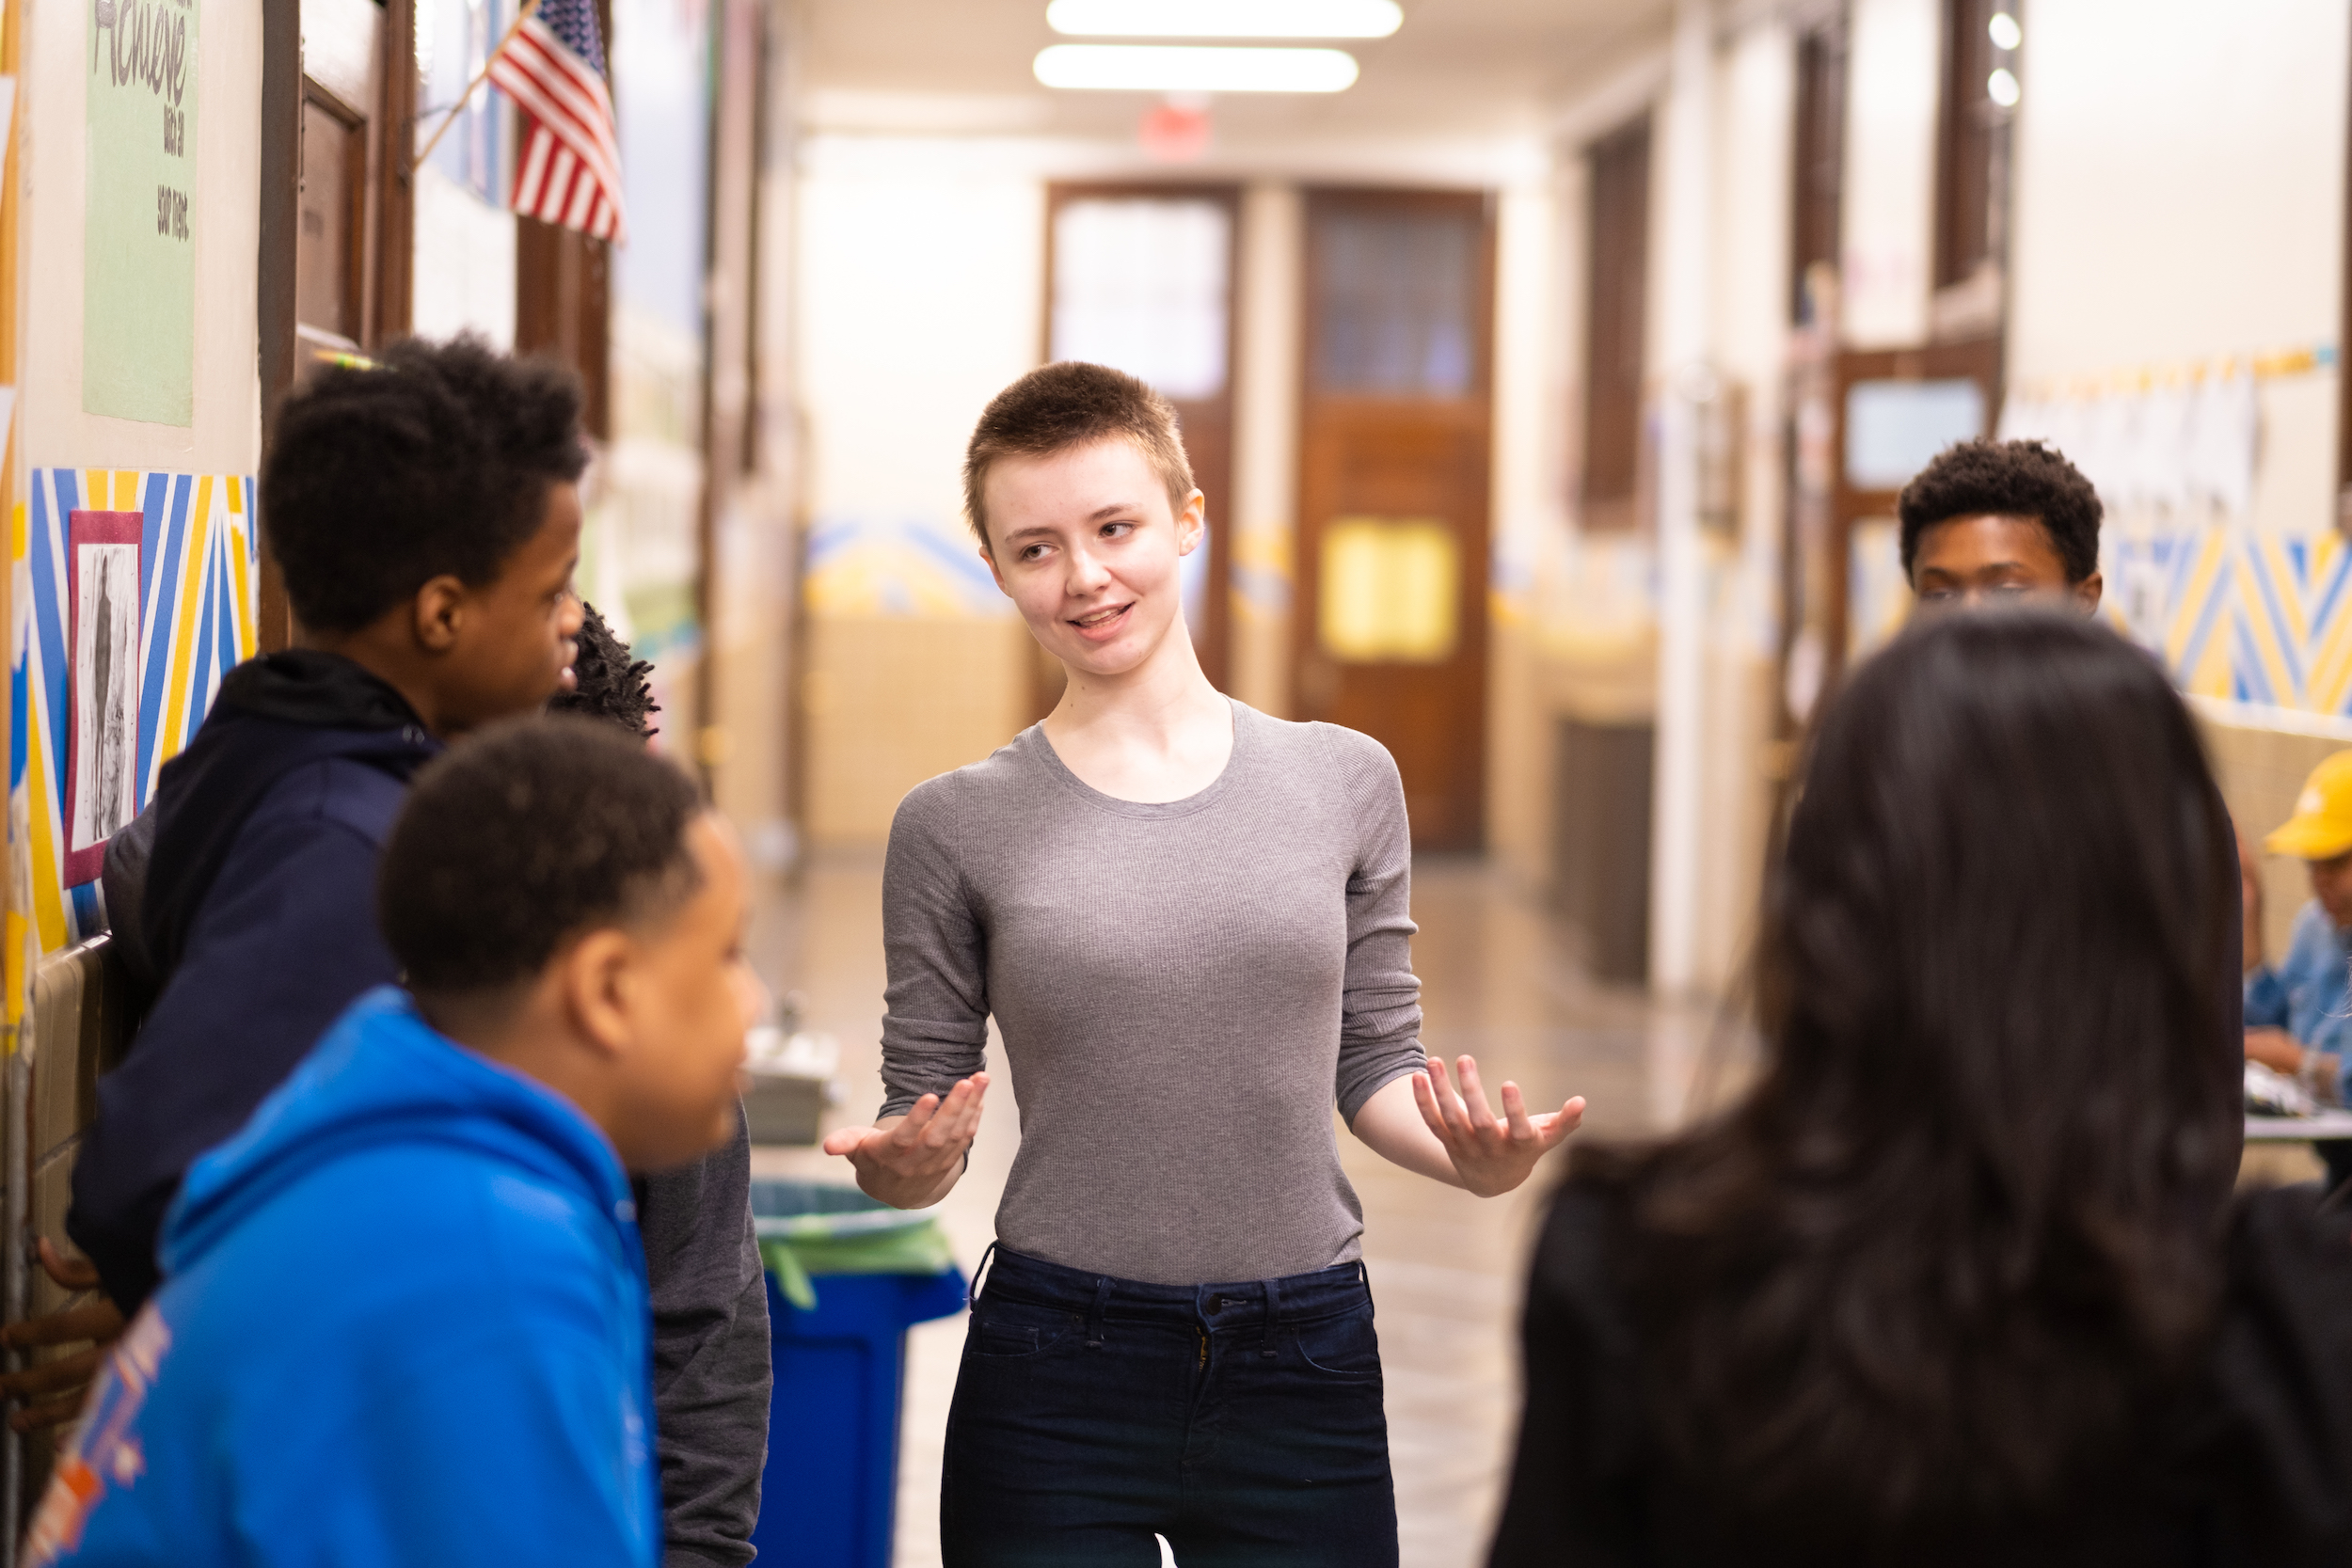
(1626, 511)
(385, 231)
(358, 274)
(1977, 359)
(1307, 530)
(1213, 641)
(280, 225)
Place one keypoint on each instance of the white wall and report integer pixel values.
(1889, 238)
(225, 435)
(921, 283)
(1530, 413)
(1265, 444)
(2180, 195)
(464, 262)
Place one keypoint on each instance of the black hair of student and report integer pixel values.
(1962, 1235)
(523, 836)
(434, 460)
(2006, 479)
(608, 683)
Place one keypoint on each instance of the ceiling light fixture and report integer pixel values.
(1226, 19)
(1173, 68)
(2001, 87)
(2004, 28)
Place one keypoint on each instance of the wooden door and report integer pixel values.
(330, 261)
(1396, 434)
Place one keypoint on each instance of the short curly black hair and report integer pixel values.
(523, 836)
(437, 459)
(2006, 479)
(608, 683)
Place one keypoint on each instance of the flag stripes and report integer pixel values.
(570, 169)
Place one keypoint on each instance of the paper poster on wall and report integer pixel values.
(101, 780)
(138, 254)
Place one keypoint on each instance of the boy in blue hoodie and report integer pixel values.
(403, 1316)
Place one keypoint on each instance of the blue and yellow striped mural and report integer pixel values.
(199, 585)
(2241, 614)
(2235, 610)
(898, 566)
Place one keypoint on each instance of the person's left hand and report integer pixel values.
(51, 1394)
(1490, 1156)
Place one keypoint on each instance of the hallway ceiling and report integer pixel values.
(1455, 68)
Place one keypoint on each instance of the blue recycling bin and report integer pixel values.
(846, 1277)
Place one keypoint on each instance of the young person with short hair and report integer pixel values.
(403, 1314)
(1961, 1280)
(425, 513)
(1999, 524)
(1995, 521)
(1190, 923)
(2298, 1011)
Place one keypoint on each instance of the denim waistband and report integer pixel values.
(1295, 1298)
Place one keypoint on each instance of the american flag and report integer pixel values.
(570, 169)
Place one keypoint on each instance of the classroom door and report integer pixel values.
(1395, 432)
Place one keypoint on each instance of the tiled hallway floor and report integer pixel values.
(1498, 982)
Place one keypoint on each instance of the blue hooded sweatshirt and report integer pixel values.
(403, 1322)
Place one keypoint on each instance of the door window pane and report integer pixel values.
(1140, 284)
(1390, 591)
(1398, 294)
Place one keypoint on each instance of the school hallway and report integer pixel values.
(1499, 980)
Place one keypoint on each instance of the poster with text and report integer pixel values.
(138, 251)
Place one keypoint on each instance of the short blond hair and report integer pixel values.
(1067, 404)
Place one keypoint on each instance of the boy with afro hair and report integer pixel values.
(1992, 521)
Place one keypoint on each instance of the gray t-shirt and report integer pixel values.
(1183, 989)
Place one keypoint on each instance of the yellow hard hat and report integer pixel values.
(2321, 827)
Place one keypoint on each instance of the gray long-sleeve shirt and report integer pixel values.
(1183, 989)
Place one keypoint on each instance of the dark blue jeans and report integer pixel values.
(1242, 1422)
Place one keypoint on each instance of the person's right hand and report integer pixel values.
(2275, 1049)
(910, 1162)
(51, 1394)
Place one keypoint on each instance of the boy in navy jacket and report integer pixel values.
(426, 516)
(403, 1316)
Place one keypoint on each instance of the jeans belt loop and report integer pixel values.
(971, 1298)
(1094, 1319)
(1273, 1315)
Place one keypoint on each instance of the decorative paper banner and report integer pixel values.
(197, 582)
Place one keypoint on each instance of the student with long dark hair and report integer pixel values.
(1961, 1279)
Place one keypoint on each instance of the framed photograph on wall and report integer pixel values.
(103, 685)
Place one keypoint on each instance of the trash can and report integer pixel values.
(847, 1276)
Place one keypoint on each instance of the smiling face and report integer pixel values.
(1968, 563)
(1085, 543)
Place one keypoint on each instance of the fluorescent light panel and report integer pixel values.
(1226, 19)
(1181, 67)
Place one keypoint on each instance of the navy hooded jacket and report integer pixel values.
(403, 1324)
(257, 917)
